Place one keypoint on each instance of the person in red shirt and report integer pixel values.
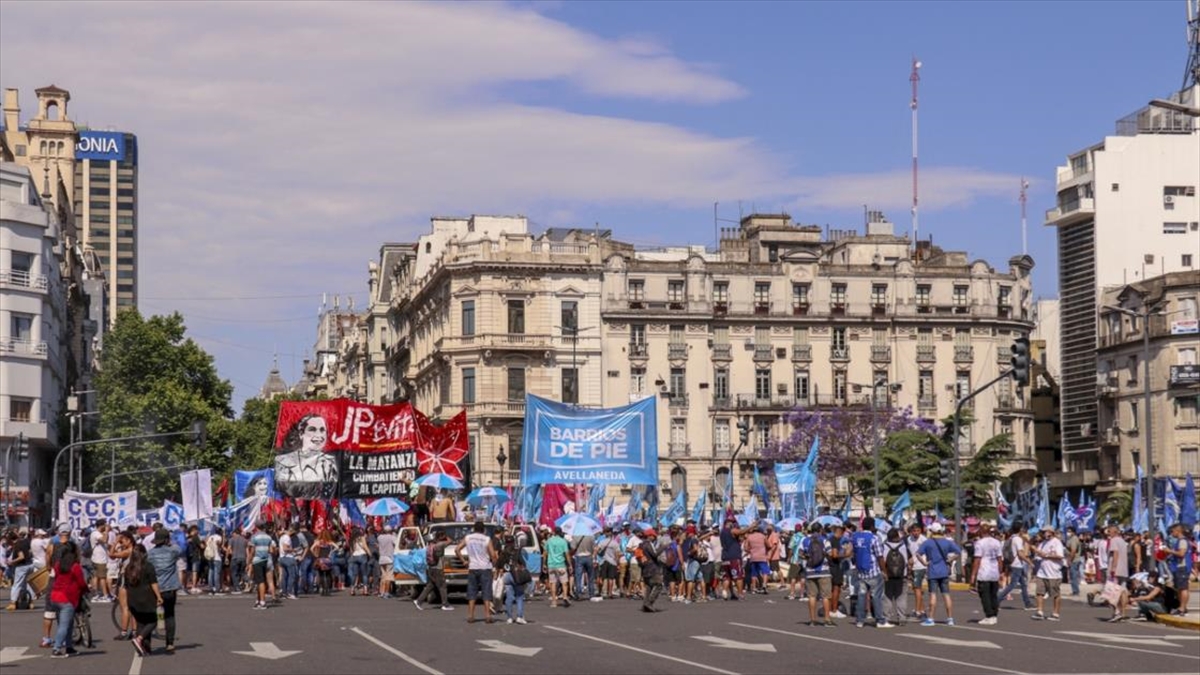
(69, 586)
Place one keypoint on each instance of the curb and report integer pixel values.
(1177, 622)
(959, 586)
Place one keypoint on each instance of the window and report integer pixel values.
(799, 335)
(637, 380)
(637, 290)
(762, 295)
(124, 288)
(678, 438)
(515, 440)
(1116, 187)
(762, 434)
(468, 385)
(1133, 370)
(1179, 190)
(675, 291)
(101, 191)
(960, 296)
(20, 409)
(762, 384)
(762, 337)
(837, 295)
(878, 295)
(570, 385)
(96, 205)
(678, 387)
(721, 291)
(839, 340)
(721, 384)
(123, 260)
(880, 379)
(800, 296)
(923, 294)
(1189, 460)
(444, 386)
(98, 218)
(1185, 411)
(879, 337)
(516, 384)
(637, 333)
(962, 383)
(125, 233)
(1186, 357)
(675, 331)
(721, 436)
(962, 337)
(802, 384)
(721, 335)
(1185, 260)
(22, 262)
(21, 327)
(1079, 165)
(1133, 415)
(925, 388)
(124, 220)
(839, 386)
(1005, 298)
(125, 274)
(773, 253)
(125, 192)
(569, 317)
(1175, 228)
(21, 150)
(924, 336)
(516, 317)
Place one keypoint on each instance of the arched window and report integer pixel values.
(42, 147)
(59, 151)
(678, 481)
(52, 110)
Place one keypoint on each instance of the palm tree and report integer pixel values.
(1117, 508)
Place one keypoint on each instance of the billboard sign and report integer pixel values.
(100, 145)
(567, 444)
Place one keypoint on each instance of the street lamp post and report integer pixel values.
(501, 459)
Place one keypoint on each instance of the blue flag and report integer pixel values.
(1141, 517)
(751, 510)
(698, 509)
(1171, 500)
(676, 510)
(902, 502)
(759, 488)
(652, 503)
(1066, 512)
(1043, 512)
(773, 513)
(1187, 505)
(595, 496)
(810, 462)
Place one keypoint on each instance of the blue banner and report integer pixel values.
(259, 483)
(567, 444)
(102, 145)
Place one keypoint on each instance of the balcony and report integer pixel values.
(722, 403)
(722, 450)
(839, 354)
(677, 305)
(762, 308)
(964, 353)
(677, 351)
(637, 350)
(926, 353)
(500, 341)
(1004, 310)
(721, 307)
(23, 279)
(1072, 212)
(1008, 405)
(23, 347)
(765, 403)
(802, 352)
(637, 303)
(677, 400)
(763, 353)
(923, 306)
(926, 403)
(881, 353)
(722, 352)
(495, 408)
(679, 449)
(800, 309)
(837, 308)
(878, 308)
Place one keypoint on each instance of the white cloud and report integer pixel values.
(940, 188)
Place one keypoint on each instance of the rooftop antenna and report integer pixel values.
(915, 78)
(1024, 243)
(1191, 76)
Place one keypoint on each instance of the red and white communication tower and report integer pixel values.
(914, 78)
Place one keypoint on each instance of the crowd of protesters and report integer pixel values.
(843, 570)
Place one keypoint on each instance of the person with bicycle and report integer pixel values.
(65, 596)
(165, 558)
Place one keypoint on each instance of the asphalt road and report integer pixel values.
(341, 634)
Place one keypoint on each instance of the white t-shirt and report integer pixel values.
(1102, 553)
(988, 552)
(99, 548)
(1017, 542)
(148, 541)
(477, 551)
(37, 550)
(285, 546)
(1050, 569)
(913, 546)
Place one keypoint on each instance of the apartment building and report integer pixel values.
(106, 211)
(480, 311)
(1126, 211)
(1174, 338)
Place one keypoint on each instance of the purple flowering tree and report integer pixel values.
(848, 437)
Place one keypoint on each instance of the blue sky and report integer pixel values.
(281, 144)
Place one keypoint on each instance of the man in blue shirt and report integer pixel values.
(264, 548)
(938, 553)
(868, 563)
(814, 551)
(165, 558)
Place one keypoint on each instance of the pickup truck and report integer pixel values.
(408, 538)
(456, 570)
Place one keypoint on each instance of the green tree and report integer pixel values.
(154, 379)
(982, 472)
(253, 441)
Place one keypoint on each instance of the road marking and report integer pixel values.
(505, 648)
(135, 668)
(1143, 640)
(978, 666)
(1076, 642)
(951, 642)
(267, 650)
(726, 643)
(386, 647)
(14, 654)
(610, 643)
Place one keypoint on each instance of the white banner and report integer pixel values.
(82, 509)
(197, 494)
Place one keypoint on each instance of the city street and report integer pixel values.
(761, 635)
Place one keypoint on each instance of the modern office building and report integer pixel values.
(106, 211)
(479, 312)
(1127, 211)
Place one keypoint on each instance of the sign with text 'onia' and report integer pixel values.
(100, 145)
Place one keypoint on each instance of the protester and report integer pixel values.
(913, 541)
(99, 557)
(1016, 560)
(896, 570)
(263, 546)
(985, 574)
(1181, 557)
(815, 555)
(648, 556)
(1074, 547)
(435, 575)
(165, 558)
(145, 596)
(938, 554)
(479, 559)
(868, 563)
(65, 595)
(558, 564)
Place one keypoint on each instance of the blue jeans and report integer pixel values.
(237, 573)
(20, 582)
(305, 580)
(874, 587)
(513, 593)
(290, 572)
(214, 575)
(66, 624)
(583, 564)
(1076, 575)
(1016, 577)
(359, 574)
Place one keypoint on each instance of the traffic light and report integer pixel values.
(743, 426)
(968, 501)
(199, 433)
(945, 470)
(1020, 361)
(22, 448)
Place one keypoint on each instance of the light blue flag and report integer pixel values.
(698, 509)
(1171, 494)
(595, 496)
(751, 510)
(810, 462)
(652, 503)
(759, 488)
(676, 510)
(1043, 512)
(635, 502)
(1141, 517)
(846, 507)
(1066, 512)
(902, 502)
(773, 513)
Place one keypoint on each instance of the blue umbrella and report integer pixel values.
(578, 524)
(440, 481)
(487, 495)
(789, 524)
(828, 520)
(385, 507)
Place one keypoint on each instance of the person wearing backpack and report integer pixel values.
(1016, 560)
(938, 555)
(814, 553)
(896, 572)
(868, 560)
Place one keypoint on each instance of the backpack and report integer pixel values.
(1010, 553)
(668, 557)
(520, 573)
(895, 564)
(699, 552)
(864, 561)
(210, 548)
(85, 549)
(815, 552)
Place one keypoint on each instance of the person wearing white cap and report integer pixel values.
(938, 554)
